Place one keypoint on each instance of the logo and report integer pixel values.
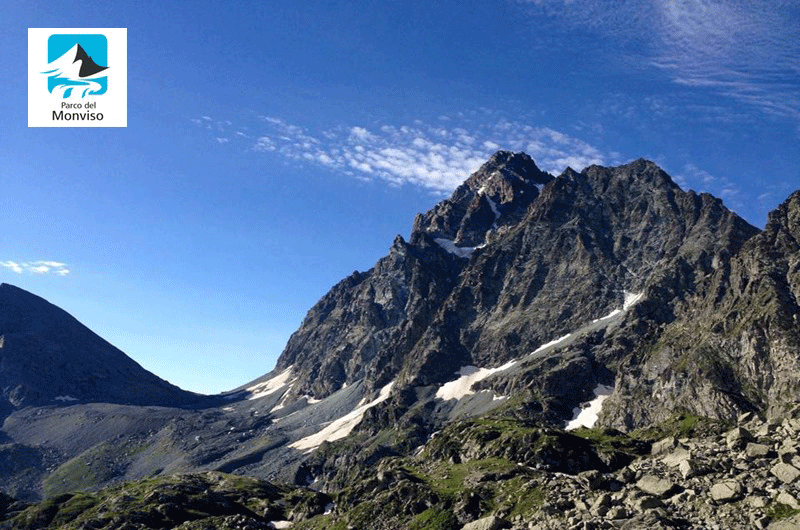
(77, 77)
(73, 71)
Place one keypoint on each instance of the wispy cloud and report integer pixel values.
(749, 51)
(36, 267)
(436, 156)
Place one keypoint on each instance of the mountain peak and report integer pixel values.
(496, 194)
(510, 167)
(88, 66)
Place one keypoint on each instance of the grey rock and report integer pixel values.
(657, 486)
(677, 456)
(487, 523)
(787, 450)
(756, 450)
(791, 523)
(616, 513)
(727, 491)
(738, 437)
(762, 522)
(787, 473)
(757, 501)
(647, 503)
(766, 429)
(626, 475)
(663, 446)
(746, 417)
(601, 505)
(688, 468)
(787, 499)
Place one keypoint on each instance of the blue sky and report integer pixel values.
(274, 147)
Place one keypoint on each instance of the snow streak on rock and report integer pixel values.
(341, 427)
(469, 376)
(631, 299)
(449, 246)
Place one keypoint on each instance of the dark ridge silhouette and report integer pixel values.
(88, 66)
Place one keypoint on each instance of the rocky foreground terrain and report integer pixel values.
(488, 474)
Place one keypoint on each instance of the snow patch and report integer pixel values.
(269, 386)
(482, 189)
(341, 427)
(65, 398)
(281, 524)
(449, 246)
(586, 414)
(552, 343)
(329, 508)
(610, 315)
(631, 299)
(469, 376)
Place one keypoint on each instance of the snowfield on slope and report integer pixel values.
(341, 427)
(586, 415)
(269, 386)
(469, 376)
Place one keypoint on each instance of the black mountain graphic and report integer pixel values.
(88, 66)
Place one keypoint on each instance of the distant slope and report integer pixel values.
(47, 357)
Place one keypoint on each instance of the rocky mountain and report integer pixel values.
(512, 261)
(47, 357)
(460, 367)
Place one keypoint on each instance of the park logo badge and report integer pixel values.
(77, 77)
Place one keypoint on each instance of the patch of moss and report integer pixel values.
(525, 501)
(76, 474)
(74, 508)
(448, 480)
(434, 519)
(778, 510)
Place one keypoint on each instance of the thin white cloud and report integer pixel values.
(426, 155)
(749, 51)
(13, 266)
(36, 267)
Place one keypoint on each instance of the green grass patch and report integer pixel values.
(525, 501)
(434, 519)
(74, 508)
(448, 480)
(778, 510)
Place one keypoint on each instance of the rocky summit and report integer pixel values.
(597, 349)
